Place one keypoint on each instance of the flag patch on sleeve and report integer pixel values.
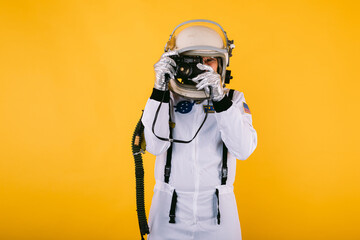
(246, 108)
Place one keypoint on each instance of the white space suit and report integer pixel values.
(196, 166)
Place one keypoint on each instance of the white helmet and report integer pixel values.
(200, 38)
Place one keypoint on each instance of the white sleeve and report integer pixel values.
(235, 125)
(154, 145)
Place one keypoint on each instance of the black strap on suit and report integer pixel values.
(224, 168)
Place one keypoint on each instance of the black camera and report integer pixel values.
(186, 68)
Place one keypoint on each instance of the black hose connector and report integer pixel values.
(139, 175)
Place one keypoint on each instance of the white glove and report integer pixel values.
(209, 80)
(165, 65)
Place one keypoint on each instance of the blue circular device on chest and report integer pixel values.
(184, 107)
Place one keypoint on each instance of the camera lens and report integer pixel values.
(184, 70)
(186, 67)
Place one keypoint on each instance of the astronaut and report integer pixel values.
(197, 129)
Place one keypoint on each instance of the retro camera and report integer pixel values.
(186, 68)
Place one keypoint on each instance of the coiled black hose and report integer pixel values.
(139, 175)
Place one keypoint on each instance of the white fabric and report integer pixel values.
(195, 169)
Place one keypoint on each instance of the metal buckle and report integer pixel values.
(167, 171)
(224, 172)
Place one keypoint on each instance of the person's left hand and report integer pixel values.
(209, 80)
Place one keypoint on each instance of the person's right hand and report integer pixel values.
(165, 65)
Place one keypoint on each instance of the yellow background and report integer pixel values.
(75, 76)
